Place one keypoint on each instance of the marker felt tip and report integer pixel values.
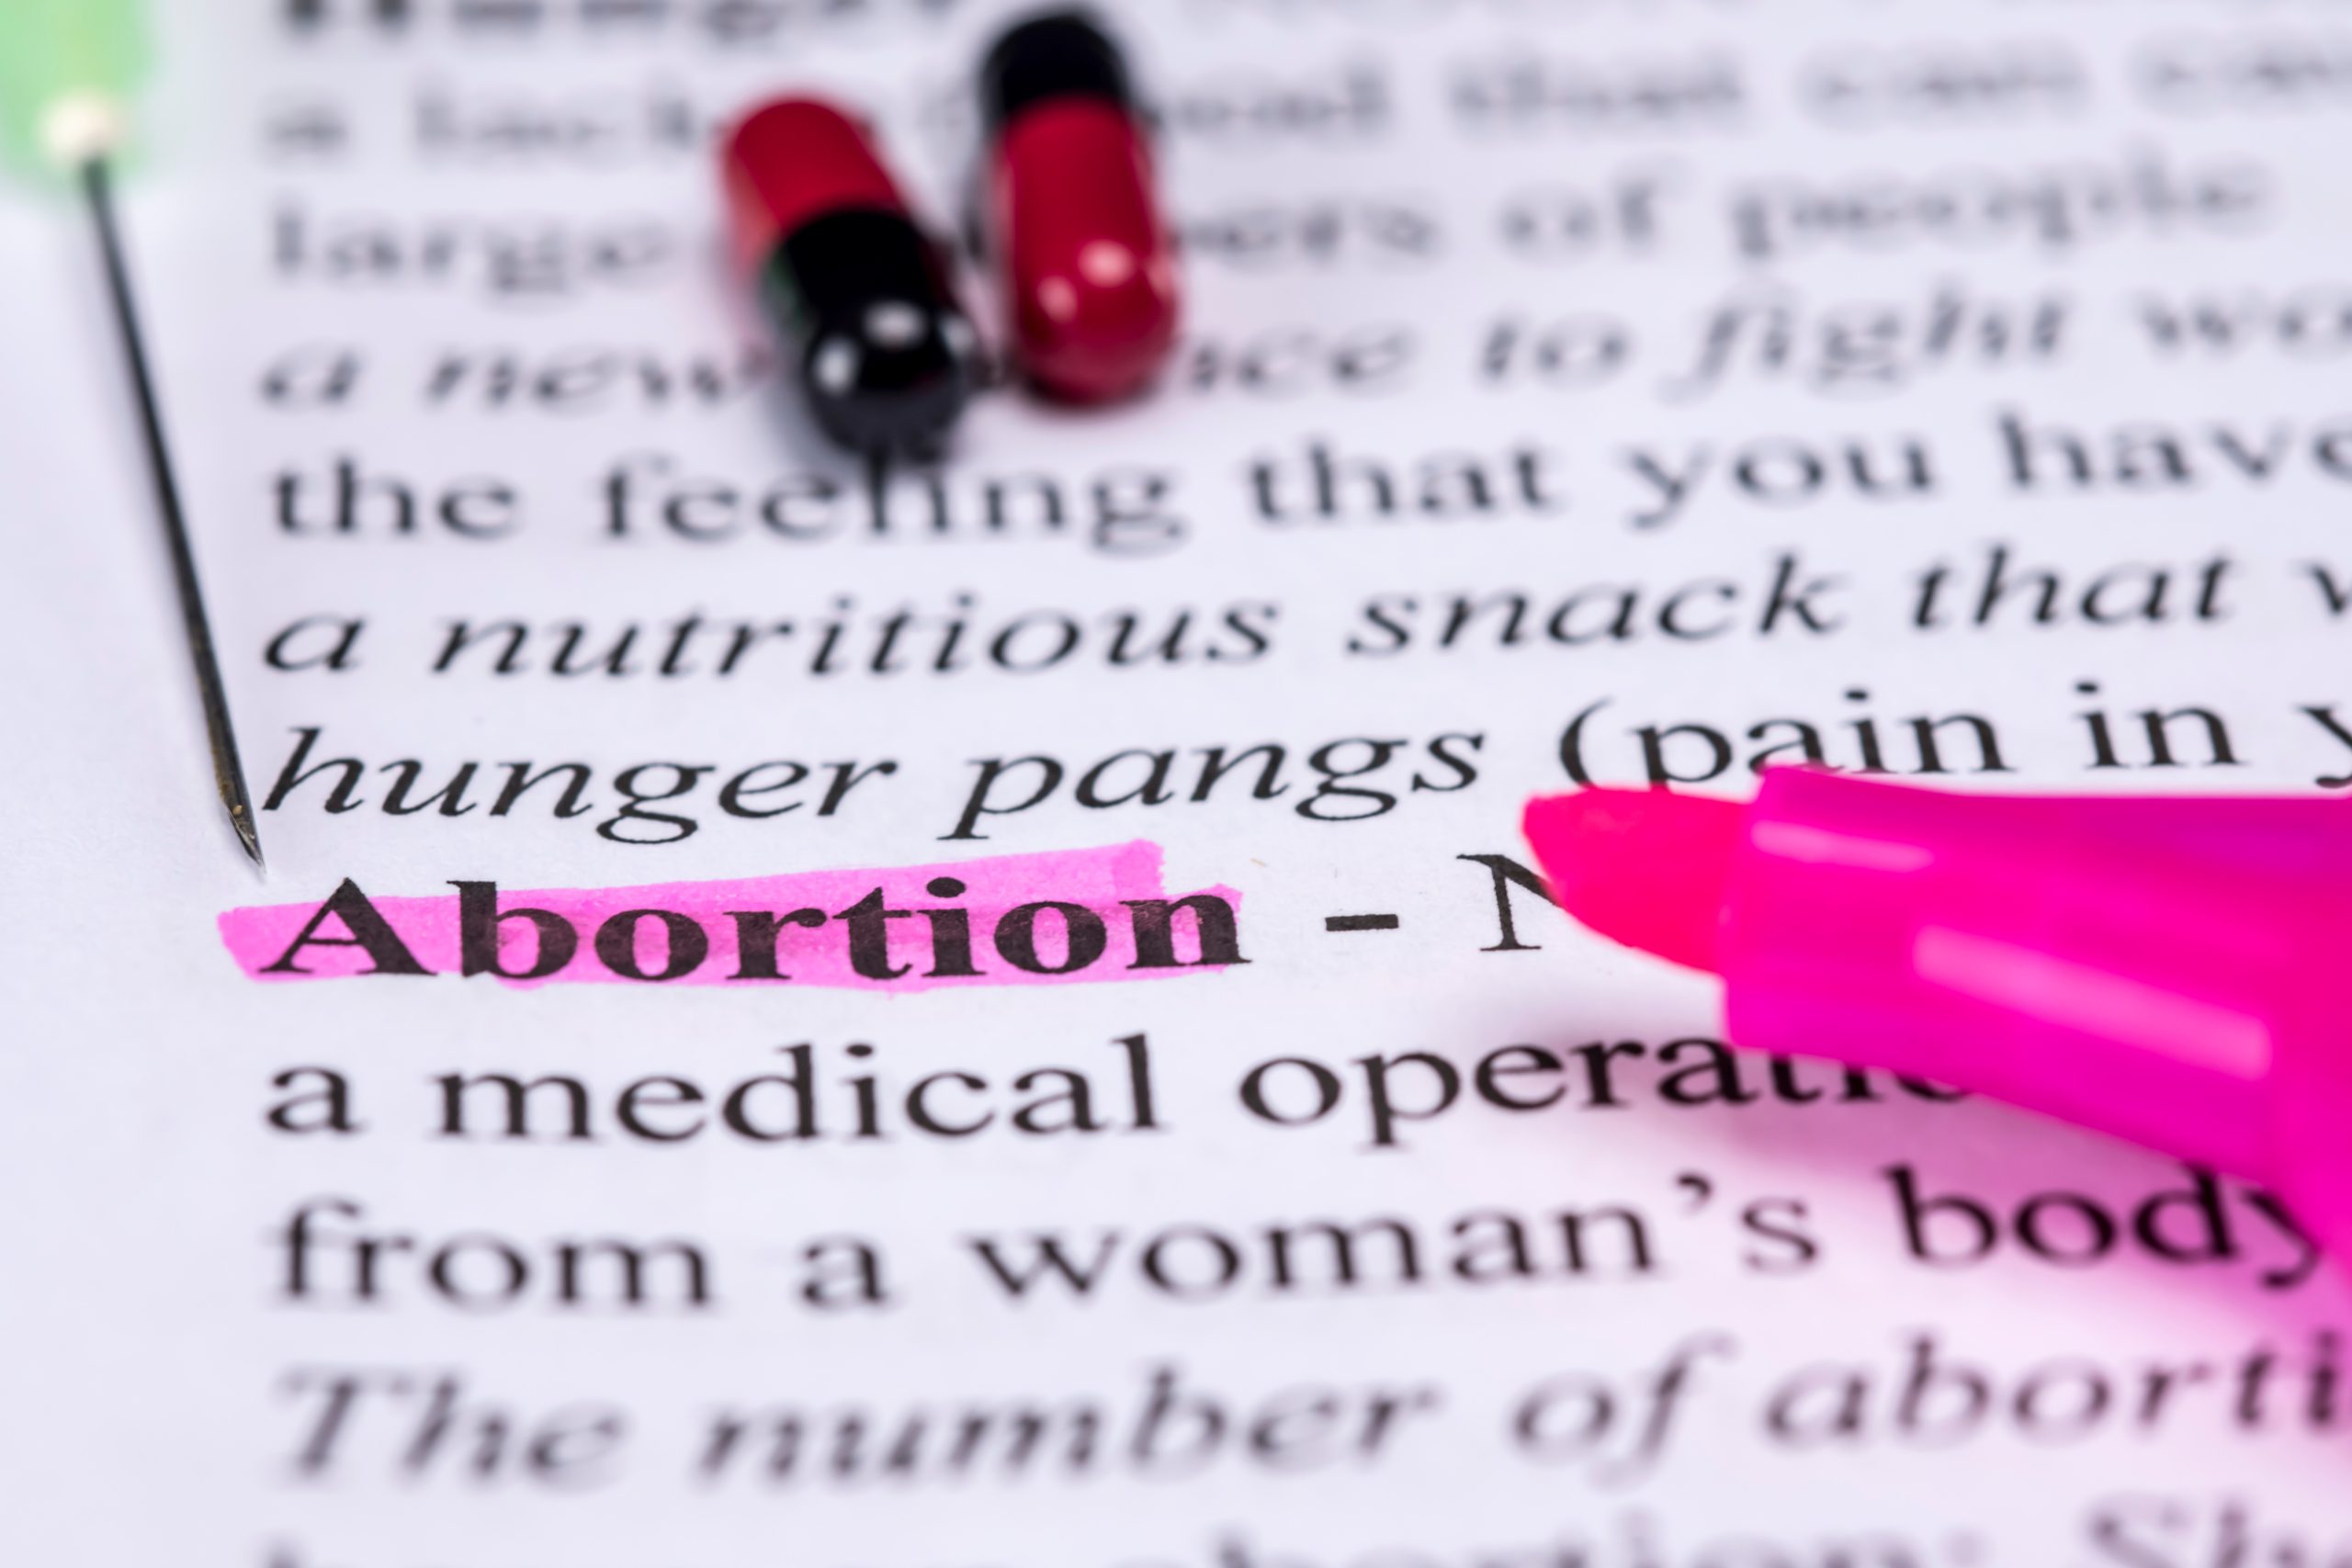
(2173, 971)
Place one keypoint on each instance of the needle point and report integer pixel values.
(242, 819)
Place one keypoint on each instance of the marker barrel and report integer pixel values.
(2173, 971)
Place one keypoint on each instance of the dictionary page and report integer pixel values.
(996, 1013)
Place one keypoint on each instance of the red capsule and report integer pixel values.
(1086, 264)
(792, 160)
(884, 355)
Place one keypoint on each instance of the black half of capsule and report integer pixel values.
(1051, 56)
(888, 358)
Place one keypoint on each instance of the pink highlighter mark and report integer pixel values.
(1063, 918)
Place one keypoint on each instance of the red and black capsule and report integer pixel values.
(1087, 263)
(887, 359)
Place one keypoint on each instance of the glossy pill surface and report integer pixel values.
(1074, 228)
(883, 353)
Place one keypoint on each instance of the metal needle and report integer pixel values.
(228, 773)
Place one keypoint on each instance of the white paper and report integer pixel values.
(1707, 328)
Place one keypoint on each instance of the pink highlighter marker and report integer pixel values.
(2174, 970)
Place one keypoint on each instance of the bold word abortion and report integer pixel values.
(1075, 915)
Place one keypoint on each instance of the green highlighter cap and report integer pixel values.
(67, 71)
